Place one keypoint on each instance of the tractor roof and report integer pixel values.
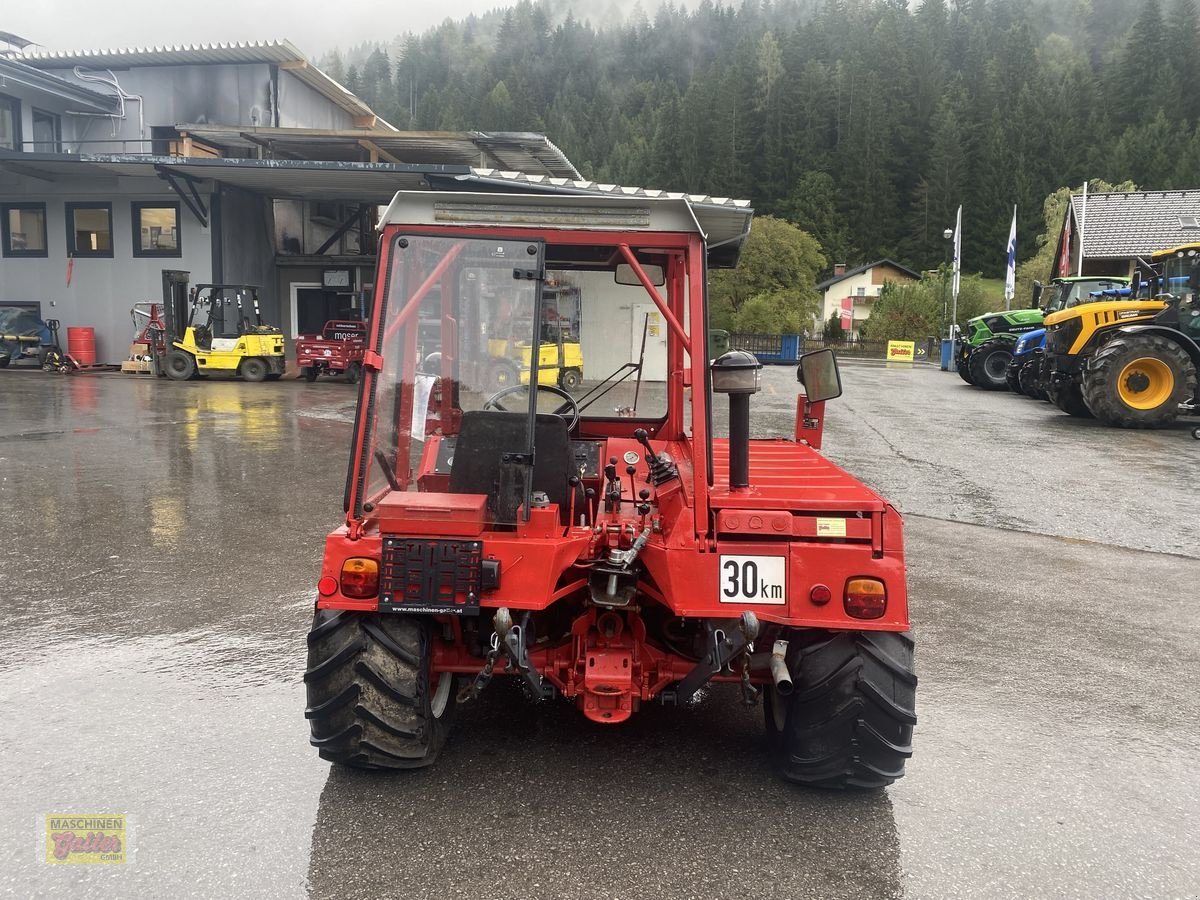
(1181, 250)
(724, 226)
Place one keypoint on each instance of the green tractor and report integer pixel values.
(987, 349)
(984, 352)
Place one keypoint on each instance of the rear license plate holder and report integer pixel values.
(437, 577)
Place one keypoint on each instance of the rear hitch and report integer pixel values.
(724, 648)
(507, 640)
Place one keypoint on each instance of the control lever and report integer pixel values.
(661, 468)
(612, 493)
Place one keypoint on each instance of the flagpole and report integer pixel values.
(956, 276)
(1010, 268)
(1082, 224)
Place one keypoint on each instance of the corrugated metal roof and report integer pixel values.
(1125, 225)
(281, 53)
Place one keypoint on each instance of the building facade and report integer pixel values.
(851, 294)
(126, 173)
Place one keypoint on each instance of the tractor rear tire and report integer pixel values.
(1138, 381)
(309, 373)
(353, 373)
(370, 702)
(1069, 399)
(253, 369)
(849, 722)
(989, 365)
(181, 365)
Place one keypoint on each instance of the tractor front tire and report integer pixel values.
(963, 369)
(309, 373)
(353, 373)
(849, 721)
(1139, 381)
(989, 365)
(1029, 379)
(1012, 375)
(181, 365)
(371, 704)
(253, 369)
(1069, 399)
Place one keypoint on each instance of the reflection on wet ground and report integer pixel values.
(161, 544)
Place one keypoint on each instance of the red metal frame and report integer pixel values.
(825, 526)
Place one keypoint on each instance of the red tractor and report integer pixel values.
(602, 547)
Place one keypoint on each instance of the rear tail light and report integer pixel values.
(360, 578)
(327, 586)
(866, 598)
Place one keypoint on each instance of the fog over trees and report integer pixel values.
(864, 122)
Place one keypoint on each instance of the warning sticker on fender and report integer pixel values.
(831, 528)
(754, 579)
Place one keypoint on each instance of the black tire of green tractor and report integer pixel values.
(1029, 379)
(1069, 399)
(989, 363)
(1012, 375)
(964, 370)
(309, 373)
(570, 379)
(353, 373)
(253, 369)
(181, 365)
(370, 703)
(502, 374)
(1101, 383)
(849, 721)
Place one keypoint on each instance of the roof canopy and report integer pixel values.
(724, 223)
(518, 151)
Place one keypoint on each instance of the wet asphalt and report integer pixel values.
(161, 544)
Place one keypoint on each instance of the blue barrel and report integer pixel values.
(947, 350)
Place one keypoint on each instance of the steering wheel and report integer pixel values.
(568, 406)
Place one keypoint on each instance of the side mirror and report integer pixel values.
(1038, 287)
(626, 275)
(818, 372)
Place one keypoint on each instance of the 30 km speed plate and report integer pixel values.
(754, 579)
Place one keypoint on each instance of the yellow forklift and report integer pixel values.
(560, 355)
(229, 341)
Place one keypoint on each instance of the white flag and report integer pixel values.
(1010, 274)
(957, 252)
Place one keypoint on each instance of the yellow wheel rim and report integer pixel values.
(1146, 383)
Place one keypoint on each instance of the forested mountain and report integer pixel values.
(866, 122)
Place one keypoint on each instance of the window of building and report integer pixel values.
(24, 229)
(47, 132)
(156, 229)
(860, 292)
(89, 229)
(10, 123)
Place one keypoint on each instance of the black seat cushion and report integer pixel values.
(484, 436)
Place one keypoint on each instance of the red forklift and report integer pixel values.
(610, 549)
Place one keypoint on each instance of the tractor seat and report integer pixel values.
(484, 436)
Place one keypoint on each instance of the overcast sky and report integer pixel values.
(313, 26)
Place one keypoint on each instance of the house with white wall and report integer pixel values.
(852, 293)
